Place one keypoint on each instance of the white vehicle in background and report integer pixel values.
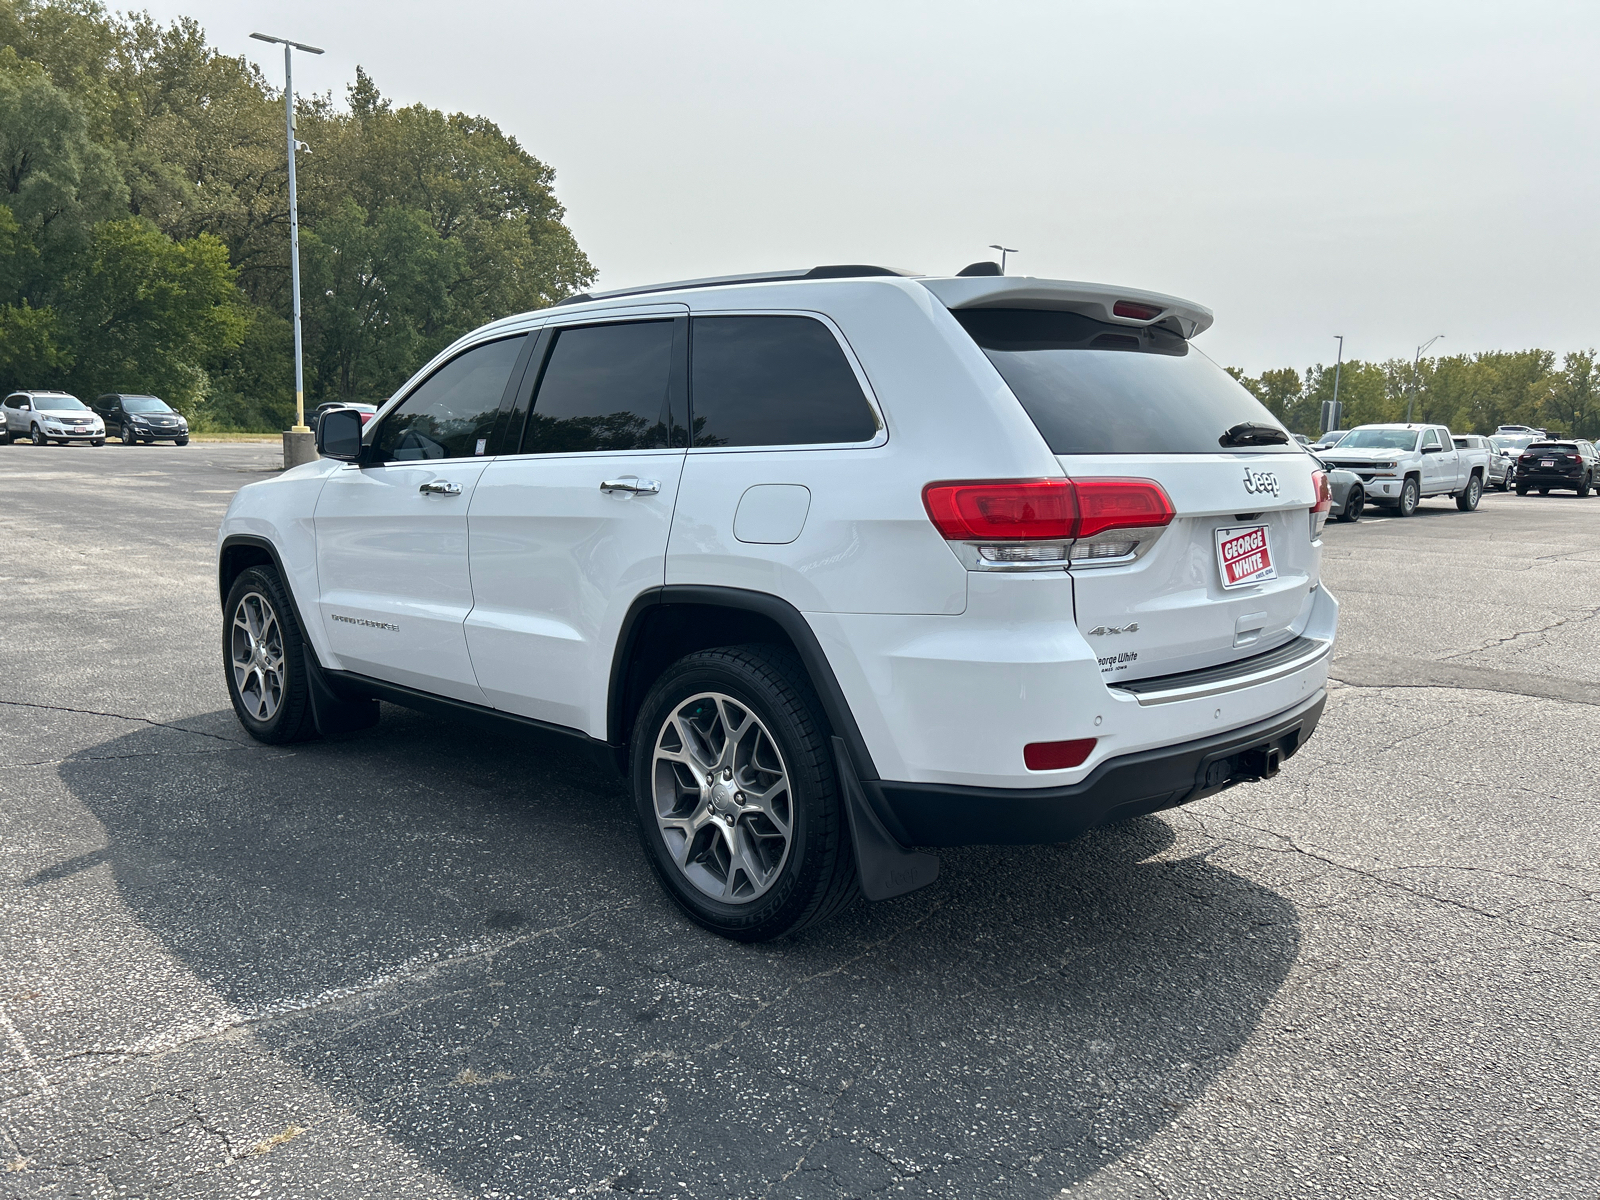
(1497, 471)
(829, 563)
(51, 417)
(1508, 448)
(1402, 465)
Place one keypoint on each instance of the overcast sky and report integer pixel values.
(1386, 171)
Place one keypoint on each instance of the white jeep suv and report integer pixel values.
(831, 564)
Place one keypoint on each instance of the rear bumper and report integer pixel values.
(1558, 479)
(923, 814)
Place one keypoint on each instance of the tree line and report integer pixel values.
(1469, 393)
(144, 224)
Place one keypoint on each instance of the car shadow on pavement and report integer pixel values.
(453, 931)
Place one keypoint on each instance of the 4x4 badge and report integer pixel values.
(1102, 630)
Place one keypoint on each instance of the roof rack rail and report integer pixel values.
(840, 271)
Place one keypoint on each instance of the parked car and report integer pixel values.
(138, 418)
(1508, 447)
(1529, 430)
(1328, 440)
(51, 417)
(862, 573)
(367, 411)
(1349, 497)
(1302, 439)
(1550, 465)
(1401, 465)
(1497, 468)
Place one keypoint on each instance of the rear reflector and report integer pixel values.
(1056, 756)
(1135, 311)
(987, 510)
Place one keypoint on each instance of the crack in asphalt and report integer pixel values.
(1584, 615)
(91, 712)
(1291, 846)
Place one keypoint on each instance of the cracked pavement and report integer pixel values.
(429, 960)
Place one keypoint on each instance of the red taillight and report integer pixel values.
(1004, 510)
(1120, 504)
(1323, 490)
(1056, 756)
(1135, 311)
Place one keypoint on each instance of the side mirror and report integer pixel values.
(339, 435)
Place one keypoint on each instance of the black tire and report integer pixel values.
(1544, 491)
(1522, 489)
(1583, 488)
(290, 720)
(1354, 504)
(37, 437)
(1410, 497)
(1467, 499)
(180, 441)
(818, 877)
(127, 437)
(98, 442)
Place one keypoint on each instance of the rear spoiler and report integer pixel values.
(1095, 300)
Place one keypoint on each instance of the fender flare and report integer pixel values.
(781, 613)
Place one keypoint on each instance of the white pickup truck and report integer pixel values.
(1402, 465)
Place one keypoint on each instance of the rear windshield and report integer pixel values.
(1094, 388)
(1552, 447)
(1379, 439)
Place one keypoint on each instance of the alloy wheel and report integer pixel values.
(722, 798)
(256, 656)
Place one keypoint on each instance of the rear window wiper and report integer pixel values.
(1253, 433)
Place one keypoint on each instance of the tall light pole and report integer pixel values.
(1335, 418)
(1415, 363)
(1004, 250)
(294, 219)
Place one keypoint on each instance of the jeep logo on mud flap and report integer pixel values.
(1260, 481)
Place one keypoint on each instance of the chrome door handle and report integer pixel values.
(633, 485)
(440, 488)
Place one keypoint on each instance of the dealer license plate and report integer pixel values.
(1244, 556)
(1547, 462)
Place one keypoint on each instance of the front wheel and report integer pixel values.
(127, 437)
(263, 656)
(99, 441)
(1410, 497)
(180, 441)
(1544, 491)
(37, 437)
(1467, 499)
(737, 796)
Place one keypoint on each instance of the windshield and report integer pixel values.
(1094, 388)
(1508, 441)
(144, 404)
(1379, 439)
(57, 403)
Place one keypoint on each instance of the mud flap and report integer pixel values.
(886, 867)
(330, 712)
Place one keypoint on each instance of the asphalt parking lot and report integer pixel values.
(429, 960)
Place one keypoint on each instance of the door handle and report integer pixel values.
(440, 488)
(633, 485)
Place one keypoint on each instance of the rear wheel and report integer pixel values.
(737, 796)
(263, 656)
(1583, 488)
(1467, 499)
(1410, 497)
(1354, 504)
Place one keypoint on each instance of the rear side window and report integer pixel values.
(605, 387)
(1095, 388)
(773, 381)
(451, 413)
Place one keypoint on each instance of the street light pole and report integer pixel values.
(294, 220)
(1335, 417)
(1004, 250)
(1415, 363)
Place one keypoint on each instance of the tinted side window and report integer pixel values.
(452, 412)
(604, 387)
(773, 381)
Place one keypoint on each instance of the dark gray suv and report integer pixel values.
(145, 419)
